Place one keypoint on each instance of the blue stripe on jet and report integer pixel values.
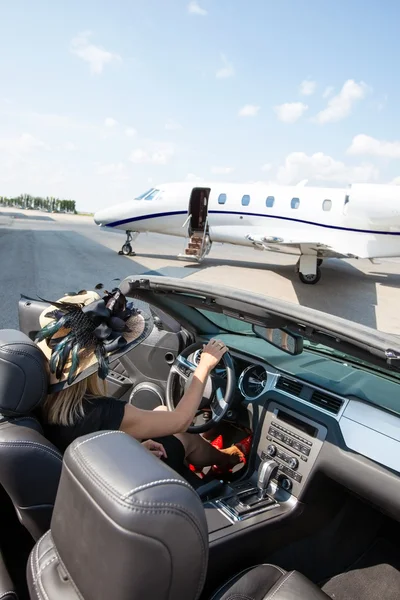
(143, 217)
(232, 212)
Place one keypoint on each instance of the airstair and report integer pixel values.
(198, 244)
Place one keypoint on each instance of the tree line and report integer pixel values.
(49, 204)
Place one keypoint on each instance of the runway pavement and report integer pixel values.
(47, 255)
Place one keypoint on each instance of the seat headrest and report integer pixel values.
(125, 525)
(23, 374)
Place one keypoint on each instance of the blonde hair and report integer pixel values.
(65, 407)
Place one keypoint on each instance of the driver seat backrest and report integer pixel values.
(30, 466)
(125, 527)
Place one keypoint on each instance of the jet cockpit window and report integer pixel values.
(222, 199)
(270, 201)
(153, 193)
(144, 195)
(246, 200)
(295, 203)
(327, 205)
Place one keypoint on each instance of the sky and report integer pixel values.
(102, 100)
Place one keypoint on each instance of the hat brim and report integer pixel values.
(141, 326)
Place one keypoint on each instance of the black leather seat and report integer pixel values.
(269, 582)
(125, 526)
(30, 466)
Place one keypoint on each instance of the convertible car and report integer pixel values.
(313, 514)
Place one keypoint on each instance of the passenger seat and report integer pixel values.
(142, 534)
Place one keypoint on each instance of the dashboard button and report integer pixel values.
(285, 483)
(271, 450)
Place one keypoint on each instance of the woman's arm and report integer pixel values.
(143, 424)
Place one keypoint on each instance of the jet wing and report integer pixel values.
(298, 242)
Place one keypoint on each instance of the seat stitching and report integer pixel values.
(28, 444)
(39, 576)
(154, 483)
(4, 594)
(97, 437)
(156, 508)
(107, 489)
(47, 564)
(44, 554)
(279, 587)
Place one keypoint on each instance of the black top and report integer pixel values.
(106, 414)
(101, 414)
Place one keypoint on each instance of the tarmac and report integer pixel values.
(47, 255)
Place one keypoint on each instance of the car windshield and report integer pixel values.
(228, 324)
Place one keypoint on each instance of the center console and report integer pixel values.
(288, 447)
(294, 442)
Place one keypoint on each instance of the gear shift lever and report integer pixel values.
(267, 471)
(243, 503)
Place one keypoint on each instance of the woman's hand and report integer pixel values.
(155, 448)
(212, 354)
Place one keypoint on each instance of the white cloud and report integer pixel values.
(195, 9)
(340, 106)
(172, 125)
(193, 177)
(365, 144)
(156, 153)
(290, 112)
(395, 181)
(321, 167)
(227, 70)
(95, 56)
(221, 170)
(70, 146)
(110, 122)
(267, 167)
(308, 87)
(249, 110)
(130, 131)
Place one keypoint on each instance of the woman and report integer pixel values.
(79, 334)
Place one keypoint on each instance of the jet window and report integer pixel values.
(246, 200)
(145, 194)
(222, 199)
(153, 194)
(295, 203)
(270, 201)
(327, 205)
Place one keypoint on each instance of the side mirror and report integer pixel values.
(288, 342)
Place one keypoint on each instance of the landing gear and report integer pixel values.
(308, 269)
(126, 249)
(310, 279)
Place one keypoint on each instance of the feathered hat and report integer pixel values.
(82, 333)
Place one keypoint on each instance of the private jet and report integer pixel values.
(313, 514)
(314, 223)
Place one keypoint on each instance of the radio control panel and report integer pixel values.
(294, 441)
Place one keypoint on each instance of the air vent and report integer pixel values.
(329, 403)
(289, 385)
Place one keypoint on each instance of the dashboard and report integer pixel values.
(305, 426)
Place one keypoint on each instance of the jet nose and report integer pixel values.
(102, 217)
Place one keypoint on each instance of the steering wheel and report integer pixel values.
(214, 397)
